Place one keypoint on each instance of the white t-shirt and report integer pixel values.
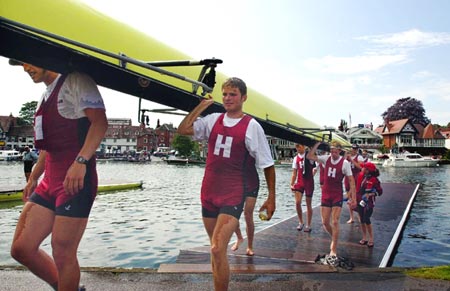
(294, 161)
(255, 138)
(78, 92)
(346, 169)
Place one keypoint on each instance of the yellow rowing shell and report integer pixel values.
(17, 195)
(69, 35)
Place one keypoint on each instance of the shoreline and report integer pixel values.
(111, 279)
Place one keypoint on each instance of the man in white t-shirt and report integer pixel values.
(69, 124)
(236, 145)
(336, 168)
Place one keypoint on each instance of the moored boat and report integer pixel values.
(410, 160)
(184, 161)
(379, 159)
(16, 194)
(10, 155)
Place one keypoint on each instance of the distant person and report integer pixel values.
(355, 160)
(302, 182)
(29, 158)
(365, 156)
(69, 125)
(235, 142)
(367, 189)
(336, 168)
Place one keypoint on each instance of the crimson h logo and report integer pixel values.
(226, 146)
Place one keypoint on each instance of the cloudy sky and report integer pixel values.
(328, 60)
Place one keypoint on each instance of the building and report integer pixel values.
(121, 136)
(403, 134)
(365, 137)
(446, 133)
(13, 135)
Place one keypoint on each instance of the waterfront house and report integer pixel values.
(403, 134)
(365, 137)
(446, 133)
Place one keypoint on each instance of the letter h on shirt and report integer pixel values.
(332, 172)
(221, 145)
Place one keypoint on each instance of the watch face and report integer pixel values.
(82, 160)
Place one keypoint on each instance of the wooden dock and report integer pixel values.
(282, 249)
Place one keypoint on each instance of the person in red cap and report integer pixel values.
(368, 187)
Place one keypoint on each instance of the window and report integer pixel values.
(406, 139)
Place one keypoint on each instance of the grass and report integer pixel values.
(438, 273)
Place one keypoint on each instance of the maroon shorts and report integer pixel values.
(306, 187)
(331, 200)
(50, 192)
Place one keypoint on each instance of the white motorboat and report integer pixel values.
(10, 155)
(411, 160)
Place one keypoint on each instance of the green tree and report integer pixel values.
(183, 144)
(26, 114)
(407, 108)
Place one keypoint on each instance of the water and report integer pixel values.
(144, 228)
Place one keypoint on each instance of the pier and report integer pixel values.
(281, 248)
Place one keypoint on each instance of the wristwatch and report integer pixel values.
(81, 160)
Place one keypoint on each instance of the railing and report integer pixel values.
(434, 144)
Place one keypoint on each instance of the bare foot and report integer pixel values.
(250, 252)
(236, 245)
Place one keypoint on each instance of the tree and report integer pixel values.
(407, 108)
(26, 114)
(183, 144)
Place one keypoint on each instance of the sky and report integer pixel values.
(327, 60)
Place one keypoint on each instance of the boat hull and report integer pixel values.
(184, 162)
(16, 195)
(405, 162)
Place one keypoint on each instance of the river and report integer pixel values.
(146, 227)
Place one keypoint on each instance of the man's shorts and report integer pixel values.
(331, 201)
(234, 211)
(365, 213)
(307, 188)
(50, 192)
(27, 166)
(253, 193)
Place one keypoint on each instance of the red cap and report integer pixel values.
(370, 166)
